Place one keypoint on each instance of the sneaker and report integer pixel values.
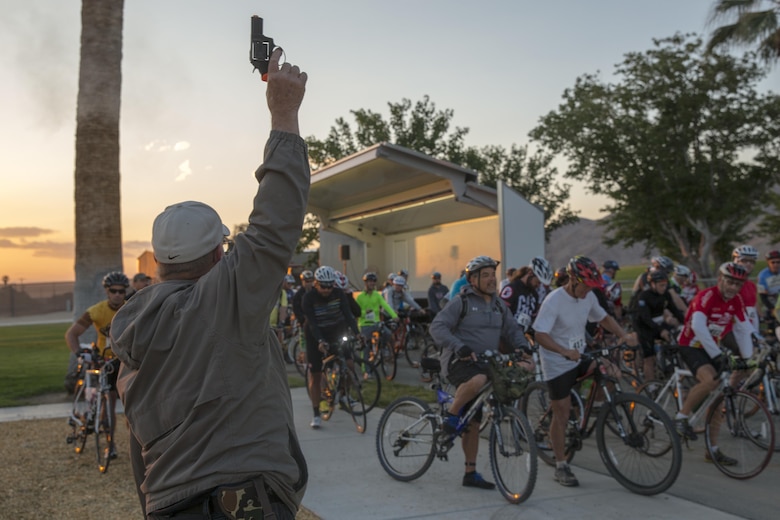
(316, 422)
(684, 429)
(474, 479)
(565, 477)
(450, 425)
(721, 458)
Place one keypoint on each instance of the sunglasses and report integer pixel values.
(117, 291)
(325, 285)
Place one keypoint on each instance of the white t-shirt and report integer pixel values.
(564, 318)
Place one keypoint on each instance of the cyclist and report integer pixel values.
(399, 298)
(561, 278)
(649, 322)
(769, 284)
(543, 271)
(714, 313)
(612, 288)
(462, 333)
(609, 271)
(307, 282)
(371, 305)
(521, 293)
(657, 262)
(746, 256)
(342, 282)
(100, 315)
(560, 330)
(328, 317)
(437, 293)
(683, 284)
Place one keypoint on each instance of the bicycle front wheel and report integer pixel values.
(79, 420)
(352, 399)
(513, 455)
(536, 406)
(638, 444)
(405, 440)
(299, 355)
(371, 384)
(389, 361)
(743, 431)
(104, 428)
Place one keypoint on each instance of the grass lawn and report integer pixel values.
(35, 359)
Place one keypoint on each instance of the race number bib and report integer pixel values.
(716, 330)
(577, 344)
(370, 315)
(524, 320)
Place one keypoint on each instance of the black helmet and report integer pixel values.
(370, 276)
(307, 276)
(115, 278)
(657, 275)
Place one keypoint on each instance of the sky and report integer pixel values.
(194, 119)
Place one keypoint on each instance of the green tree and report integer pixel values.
(423, 128)
(97, 198)
(747, 22)
(682, 144)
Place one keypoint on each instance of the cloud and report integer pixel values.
(47, 248)
(23, 232)
(161, 145)
(181, 146)
(184, 171)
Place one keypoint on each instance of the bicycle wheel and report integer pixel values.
(104, 426)
(741, 428)
(405, 438)
(351, 398)
(371, 383)
(79, 420)
(535, 405)
(769, 397)
(299, 355)
(415, 346)
(389, 361)
(646, 458)
(513, 455)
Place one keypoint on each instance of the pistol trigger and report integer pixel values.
(265, 77)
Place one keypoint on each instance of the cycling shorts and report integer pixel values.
(560, 387)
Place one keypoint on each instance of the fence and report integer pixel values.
(35, 298)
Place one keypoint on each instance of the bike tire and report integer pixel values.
(405, 438)
(104, 428)
(760, 390)
(536, 406)
(79, 420)
(513, 456)
(351, 397)
(414, 347)
(648, 460)
(389, 358)
(371, 383)
(299, 355)
(742, 428)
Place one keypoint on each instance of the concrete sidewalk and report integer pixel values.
(347, 482)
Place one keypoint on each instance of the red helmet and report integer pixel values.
(733, 270)
(585, 270)
(773, 255)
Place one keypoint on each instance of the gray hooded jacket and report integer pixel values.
(203, 382)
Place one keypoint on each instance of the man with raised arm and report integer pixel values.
(203, 380)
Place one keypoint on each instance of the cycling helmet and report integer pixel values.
(584, 270)
(541, 269)
(561, 277)
(611, 264)
(289, 278)
(745, 251)
(681, 270)
(341, 280)
(664, 262)
(307, 276)
(391, 277)
(436, 274)
(657, 275)
(370, 276)
(479, 262)
(399, 280)
(403, 272)
(115, 278)
(773, 255)
(325, 274)
(732, 270)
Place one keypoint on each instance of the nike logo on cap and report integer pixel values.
(173, 257)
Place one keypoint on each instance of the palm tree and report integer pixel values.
(98, 224)
(752, 22)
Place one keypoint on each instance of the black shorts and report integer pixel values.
(560, 387)
(695, 358)
(315, 357)
(461, 371)
(647, 338)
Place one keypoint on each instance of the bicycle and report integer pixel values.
(341, 384)
(765, 383)
(399, 342)
(636, 439)
(410, 435)
(92, 408)
(735, 421)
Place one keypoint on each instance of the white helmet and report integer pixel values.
(541, 269)
(325, 274)
(477, 263)
(682, 270)
(341, 280)
(745, 251)
(399, 280)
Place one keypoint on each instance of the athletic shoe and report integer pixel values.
(684, 429)
(721, 458)
(316, 422)
(474, 479)
(565, 477)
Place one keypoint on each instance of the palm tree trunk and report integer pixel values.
(97, 197)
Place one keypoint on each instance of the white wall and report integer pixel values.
(522, 226)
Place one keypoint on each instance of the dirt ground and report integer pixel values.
(43, 477)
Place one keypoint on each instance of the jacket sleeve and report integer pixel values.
(511, 332)
(386, 306)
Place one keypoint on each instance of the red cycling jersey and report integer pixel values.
(721, 315)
